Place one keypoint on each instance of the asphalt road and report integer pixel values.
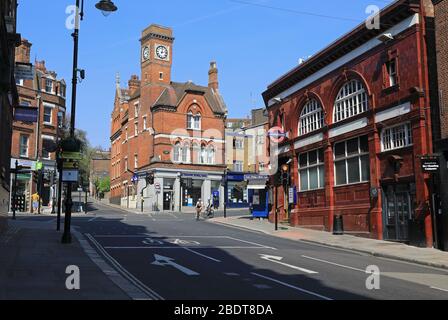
(172, 256)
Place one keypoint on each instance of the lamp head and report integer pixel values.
(106, 7)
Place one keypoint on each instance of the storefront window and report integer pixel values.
(192, 192)
(237, 192)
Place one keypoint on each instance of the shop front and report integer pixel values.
(258, 195)
(237, 195)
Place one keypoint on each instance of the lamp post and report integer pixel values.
(106, 7)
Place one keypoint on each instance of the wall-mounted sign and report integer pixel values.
(24, 71)
(430, 164)
(25, 114)
(277, 134)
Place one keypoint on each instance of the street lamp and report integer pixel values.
(106, 6)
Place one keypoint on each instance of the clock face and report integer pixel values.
(146, 53)
(162, 52)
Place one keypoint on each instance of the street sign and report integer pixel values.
(71, 155)
(157, 186)
(70, 165)
(70, 175)
(134, 178)
(39, 165)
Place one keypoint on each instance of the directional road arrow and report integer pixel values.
(166, 261)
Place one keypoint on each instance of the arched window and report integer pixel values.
(196, 153)
(211, 155)
(176, 154)
(312, 117)
(203, 154)
(351, 100)
(194, 121)
(186, 153)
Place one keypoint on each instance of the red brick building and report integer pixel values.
(43, 92)
(170, 129)
(358, 119)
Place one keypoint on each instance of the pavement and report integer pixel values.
(33, 265)
(392, 250)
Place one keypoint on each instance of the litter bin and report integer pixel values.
(338, 225)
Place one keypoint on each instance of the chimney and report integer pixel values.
(23, 52)
(40, 65)
(134, 84)
(213, 76)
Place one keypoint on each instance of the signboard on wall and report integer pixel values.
(25, 114)
(430, 164)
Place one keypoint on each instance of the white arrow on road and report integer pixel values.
(166, 261)
(278, 260)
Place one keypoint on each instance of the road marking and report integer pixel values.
(334, 264)
(257, 244)
(292, 287)
(51, 221)
(277, 260)
(149, 292)
(202, 255)
(440, 289)
(166, 261)
(232, 274)
(93, 219)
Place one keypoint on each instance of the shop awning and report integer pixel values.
(256, 185)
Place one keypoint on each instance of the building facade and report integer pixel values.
(9, 39)
(358, 121)
(247, 158)
(172, 130)
(441, 117)
(42, 93)
(99, 169)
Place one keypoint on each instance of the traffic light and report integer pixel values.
(285, 176)
(150, 179)
(36, 177)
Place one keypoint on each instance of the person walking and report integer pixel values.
(199, 207)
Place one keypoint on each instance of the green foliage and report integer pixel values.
(104, 185)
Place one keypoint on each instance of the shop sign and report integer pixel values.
(430, 164)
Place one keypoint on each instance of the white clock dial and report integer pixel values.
(146, 53)
(162, 52)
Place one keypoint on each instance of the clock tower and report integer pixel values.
(156, 55)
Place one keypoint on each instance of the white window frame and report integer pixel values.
(24, 155)
(47, 81)
(351, 100)
(320, 165)
(239, 144)
(346, 157)
(136, 109)
(46, 106)
(185, 154)
(388, 141)
(177, 152)
(194, 121)
(312, 117)
(135, 129)
(238, 166)
(145, 123)
(392, 72)
(211, 155)
(135, 161)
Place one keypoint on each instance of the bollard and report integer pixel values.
(338, 225)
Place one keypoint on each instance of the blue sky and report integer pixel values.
(253, 45)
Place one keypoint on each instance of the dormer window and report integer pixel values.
(49, 85)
